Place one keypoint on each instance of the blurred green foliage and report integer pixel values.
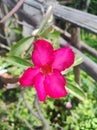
(93, 7)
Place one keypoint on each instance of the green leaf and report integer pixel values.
(46, 31)
(17, 30)
(67, 71)
(21, 46)
(75, 90)
(78, 60)
(19, 61)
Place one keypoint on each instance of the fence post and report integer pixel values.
(75, 37)
(75, 40)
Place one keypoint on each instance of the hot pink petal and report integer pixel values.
(64, 58)
(55, 85)
(43, 53)
(39, 86)
(27, 78)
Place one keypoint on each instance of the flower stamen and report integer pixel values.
(46, 69)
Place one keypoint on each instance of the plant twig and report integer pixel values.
(47, 16)
(3, 36)
(19, 103)
(18, 5)
(27, 105)
(42, 118)
(17, 114)
(4, 46)
(22, 23)
(25, 121)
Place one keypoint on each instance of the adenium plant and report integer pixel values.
(46, 75)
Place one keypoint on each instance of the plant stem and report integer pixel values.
(27, 105)
(18, 5)
(18, 115)
(42, 118)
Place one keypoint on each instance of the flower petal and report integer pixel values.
(27, 78)
(43, 53)
(39, 86)
(55, 85)
(64, 58)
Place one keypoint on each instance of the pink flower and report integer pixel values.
(46, 74)
(68, 105)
